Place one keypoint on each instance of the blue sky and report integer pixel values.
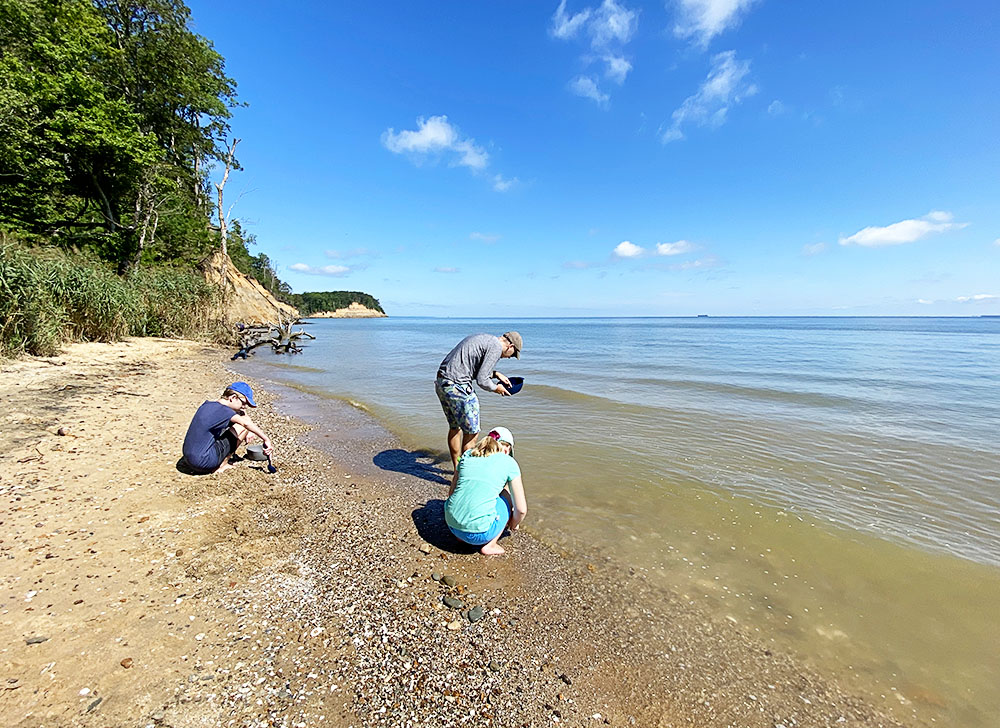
(740, 157)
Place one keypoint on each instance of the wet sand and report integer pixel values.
(132, 593)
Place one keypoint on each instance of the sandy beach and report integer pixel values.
(328, 593)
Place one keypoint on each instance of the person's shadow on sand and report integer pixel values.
(429, 520)
(183, 467)
(410, 462)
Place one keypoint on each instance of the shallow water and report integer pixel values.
(831, 483)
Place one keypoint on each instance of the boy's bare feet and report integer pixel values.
(492, 549)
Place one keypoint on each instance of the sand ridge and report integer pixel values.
(134, 594)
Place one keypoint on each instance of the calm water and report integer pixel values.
(832, 483)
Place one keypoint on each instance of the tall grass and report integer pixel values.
(48, 298)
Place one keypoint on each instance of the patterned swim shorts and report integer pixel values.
(460, 405)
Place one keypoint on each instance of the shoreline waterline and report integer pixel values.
(811, 583)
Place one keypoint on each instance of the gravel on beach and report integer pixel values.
(326, 594)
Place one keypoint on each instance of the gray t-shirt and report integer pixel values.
(473, 358)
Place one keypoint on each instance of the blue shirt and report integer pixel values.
(472, 507)
(208, 426)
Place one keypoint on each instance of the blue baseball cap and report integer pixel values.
(244, 389)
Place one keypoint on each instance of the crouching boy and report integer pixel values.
(219, 427)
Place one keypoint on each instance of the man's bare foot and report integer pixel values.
(492, 549)
(225, 466)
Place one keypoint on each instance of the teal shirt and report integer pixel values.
(472, 507)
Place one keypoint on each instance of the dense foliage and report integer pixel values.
(112, 115)
(316, 302)
(48, 296)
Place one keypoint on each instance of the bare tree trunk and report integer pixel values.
(221, 212)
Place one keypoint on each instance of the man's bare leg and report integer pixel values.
(459, 442)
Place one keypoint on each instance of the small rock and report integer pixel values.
(425, 548)
(126, 663)
(62, 432)
(449, 580)
(36, 640)
(455, 626)
(565, 678)
(475, 614)
(494, 666)
(158, 716)
(453, 602)
(94, 704)
(436, 576)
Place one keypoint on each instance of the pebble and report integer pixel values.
(126, 663)
(436, 576)
(494, 666)
(35, 640)
(449, 580)
(453, 602)
(475, 614)
(425, 548)
(455, 626)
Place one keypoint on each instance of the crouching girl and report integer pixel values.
(486, 495)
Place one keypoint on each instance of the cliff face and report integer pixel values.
(246, 301)
(355, 310)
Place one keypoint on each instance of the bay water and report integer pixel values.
(831, 484)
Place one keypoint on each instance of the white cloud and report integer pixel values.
(618, 69)
(776, 108)
(502, 184)
(436, 136)
(705, 19)
(978, 298)
(681, 246)
(625, 249)
(446, 270)
(924, 301)
(905, 231)
(484, 237)
(566, 26)
(326, 270)
(586, 86)
(708, 262)
(725, 86)
(813, 248)
(607, 29)
(997, 242)
(612, 23)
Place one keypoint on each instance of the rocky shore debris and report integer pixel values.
(309, 591)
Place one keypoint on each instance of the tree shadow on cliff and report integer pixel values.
(415, 463)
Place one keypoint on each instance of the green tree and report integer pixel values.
(111, 114)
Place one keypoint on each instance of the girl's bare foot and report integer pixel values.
(492, 549)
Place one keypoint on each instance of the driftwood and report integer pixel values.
(280, 336)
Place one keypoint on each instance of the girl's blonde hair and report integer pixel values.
(484, 446)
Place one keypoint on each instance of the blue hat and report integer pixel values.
(244, 389)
